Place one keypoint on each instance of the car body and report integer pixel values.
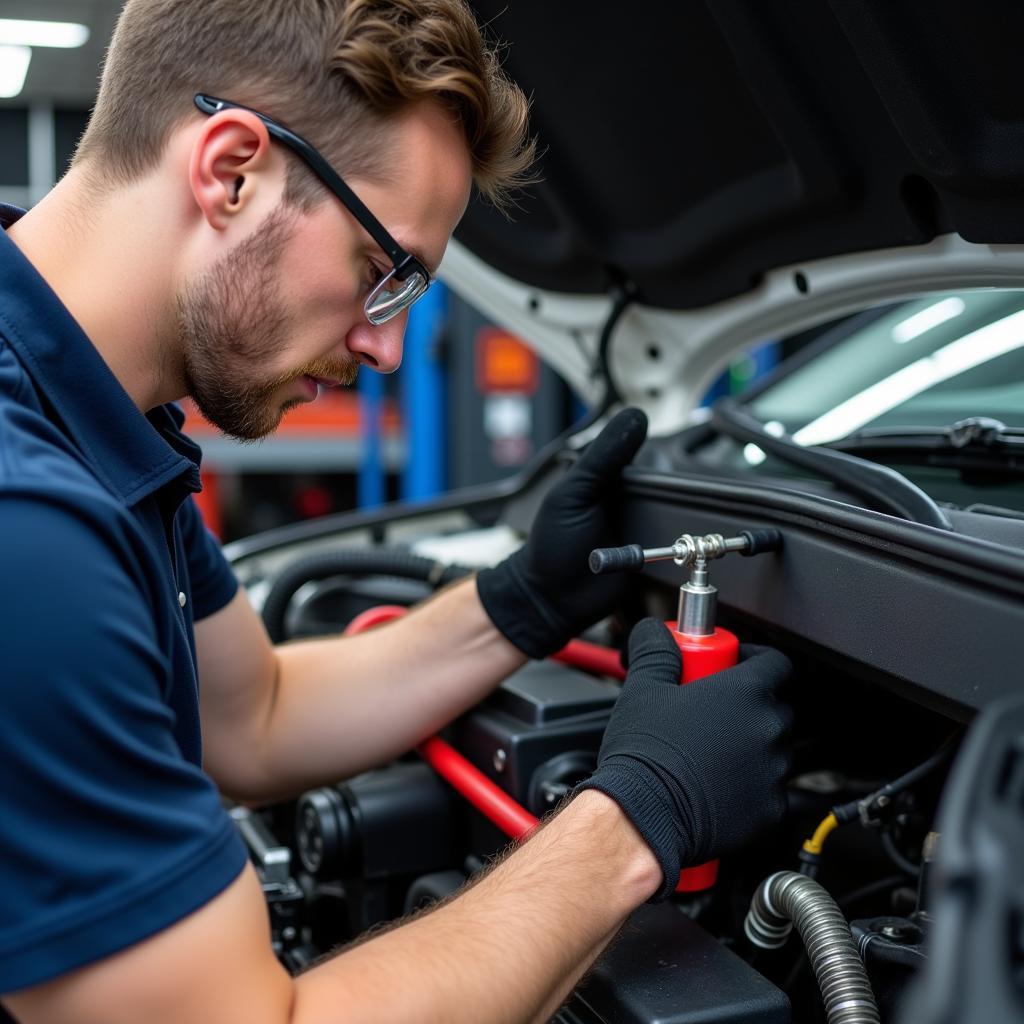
(714, 176)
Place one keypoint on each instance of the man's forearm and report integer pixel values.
(509, 949)
(506, 951)
(343, 705)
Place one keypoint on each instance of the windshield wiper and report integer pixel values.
(882, 487)
(978, 443)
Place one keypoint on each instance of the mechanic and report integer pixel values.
(196, 248)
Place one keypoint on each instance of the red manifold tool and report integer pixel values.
(706, 648)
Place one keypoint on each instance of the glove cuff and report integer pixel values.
(645, 808)
(510, 605)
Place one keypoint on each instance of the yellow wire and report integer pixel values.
(821, 833)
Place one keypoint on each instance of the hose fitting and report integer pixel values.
(788, 899)
(697, 597)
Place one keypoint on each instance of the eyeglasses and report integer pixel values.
(407, 280)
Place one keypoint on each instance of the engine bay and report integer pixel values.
(862, 606)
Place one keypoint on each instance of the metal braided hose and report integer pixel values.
(787, 900)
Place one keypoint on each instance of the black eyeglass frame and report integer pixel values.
(404, 264)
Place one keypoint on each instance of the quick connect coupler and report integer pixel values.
(698, 599)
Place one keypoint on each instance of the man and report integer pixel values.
(197, 246)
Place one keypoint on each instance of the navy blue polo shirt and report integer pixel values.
(109, 829)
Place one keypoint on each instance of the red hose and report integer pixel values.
(592, 658)
(463, 776)
(374, 617)
(494, 803)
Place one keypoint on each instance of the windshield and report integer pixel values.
(926, 363)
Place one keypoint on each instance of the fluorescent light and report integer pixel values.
(753, 454)
(63, 34)
(919, 323)
(988, 342)
(14, 62)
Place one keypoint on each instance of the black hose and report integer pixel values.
(889, 491)
(851, 811)
(908, 779)
(622, 297)
(854, 896)
(366, 562)
(894, 854)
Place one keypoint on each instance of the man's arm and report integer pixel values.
(280, 720)
(508, 949)
(684, 772)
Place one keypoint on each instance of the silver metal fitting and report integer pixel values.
(698, 603)
(689, 549)
(698, 599)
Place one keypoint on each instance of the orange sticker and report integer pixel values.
(504, 363)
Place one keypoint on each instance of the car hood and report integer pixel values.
(743, 170)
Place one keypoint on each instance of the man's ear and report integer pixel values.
(230, 157)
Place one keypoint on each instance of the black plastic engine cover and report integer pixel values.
(543, 715)
(665, 969)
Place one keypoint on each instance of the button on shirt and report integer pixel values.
(111, 832)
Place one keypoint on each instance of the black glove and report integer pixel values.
(545, 594)
(698, 769)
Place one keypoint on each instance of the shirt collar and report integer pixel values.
(132, 454)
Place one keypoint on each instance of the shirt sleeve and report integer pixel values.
(212, 580)
(109, 834)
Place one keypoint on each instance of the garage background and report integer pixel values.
(471, 403)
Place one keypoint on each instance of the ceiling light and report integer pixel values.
(63, 34)
(754, 455)
(14, 61)
(916, 325)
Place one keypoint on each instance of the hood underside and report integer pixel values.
(690, 147)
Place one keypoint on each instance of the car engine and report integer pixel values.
(831, 917)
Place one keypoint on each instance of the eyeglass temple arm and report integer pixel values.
(210, 105)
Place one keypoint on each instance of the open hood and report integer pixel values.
(747, 168)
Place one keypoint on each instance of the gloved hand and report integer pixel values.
(545, 594)
(698, 769)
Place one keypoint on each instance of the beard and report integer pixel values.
(232, 322)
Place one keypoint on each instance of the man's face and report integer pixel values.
(234, 324)
(282, 313)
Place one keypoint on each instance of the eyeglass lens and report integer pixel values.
(391, 296)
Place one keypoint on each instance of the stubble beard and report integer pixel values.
(231, 323)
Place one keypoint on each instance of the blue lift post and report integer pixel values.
(371, 481)
(424, 405)
(423, 391)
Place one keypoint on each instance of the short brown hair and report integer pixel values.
(334, 71)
